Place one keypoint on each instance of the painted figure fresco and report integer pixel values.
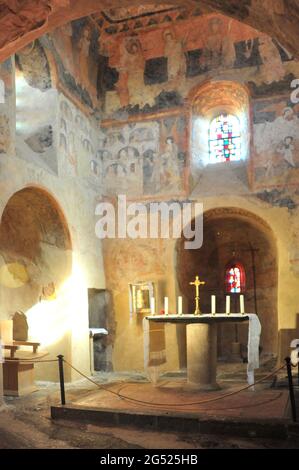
(276, 143)
(286, 149)
(170, 174)
(62, 39)
(219, 48)
(151, 66)
(176, 60)
(131, 71)
(272, 67)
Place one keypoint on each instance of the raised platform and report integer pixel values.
(262, 413)
(202, 318)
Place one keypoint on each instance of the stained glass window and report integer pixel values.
(225, 139)
(235, 279)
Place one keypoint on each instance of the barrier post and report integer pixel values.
(291, 388)
(61, 378)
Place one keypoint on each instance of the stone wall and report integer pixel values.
(52, 158)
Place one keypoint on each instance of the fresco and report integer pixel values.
(6, 96)
(124, 61)
(156, 62)
(145, 158)
(132, 259)
(75, 50)
(124, 14)
(34, 94)
(78, 145)
(276, 143)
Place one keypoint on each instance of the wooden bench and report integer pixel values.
(35, 346)
(18, 367)
(12, 348)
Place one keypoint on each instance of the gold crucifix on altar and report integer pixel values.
(197, 283)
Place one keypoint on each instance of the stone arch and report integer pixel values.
(206, 102)
(35, 249)
(230, 233)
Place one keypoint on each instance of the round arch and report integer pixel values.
(231, 234)
(35, 249)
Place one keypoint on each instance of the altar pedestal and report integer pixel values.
(201, 356)
(201, 332)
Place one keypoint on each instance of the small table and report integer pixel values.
(201, 333)
(18, 368)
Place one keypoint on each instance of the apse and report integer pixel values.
(238, 256)
(35, 245)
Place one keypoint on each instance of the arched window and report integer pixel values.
(235, 278)
(225, 139)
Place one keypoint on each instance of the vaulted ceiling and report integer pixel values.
(21, 21)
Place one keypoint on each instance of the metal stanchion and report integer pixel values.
(61, 378)
(291, 388)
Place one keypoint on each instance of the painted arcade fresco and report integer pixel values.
(145, 158)
(77, 145)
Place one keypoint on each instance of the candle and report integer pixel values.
(153, 306)
(166, 305)
(228, 304)
(242, 304)
(180, 305)
(213, 306)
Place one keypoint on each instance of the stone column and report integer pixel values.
(201, 356)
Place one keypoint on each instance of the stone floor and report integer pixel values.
(169, 395)
(25, 422)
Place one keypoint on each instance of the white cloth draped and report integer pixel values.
(254, 333)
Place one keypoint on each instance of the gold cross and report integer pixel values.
(197, 283)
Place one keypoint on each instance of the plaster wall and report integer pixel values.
(60, 323)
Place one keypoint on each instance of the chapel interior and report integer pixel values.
(174, 102)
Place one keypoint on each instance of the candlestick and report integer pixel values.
(213, 305)
(166, 305)
(242, 304)
(153, 306)
(228, 305)
(180, 305)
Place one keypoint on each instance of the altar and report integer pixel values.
(201, 336)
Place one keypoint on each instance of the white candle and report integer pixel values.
(180, 305)
(213, 306)
(166, 305)
(242, 304)
(228, 304)
(153, 306)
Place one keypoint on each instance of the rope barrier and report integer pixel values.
(29, 361)
(210, 400)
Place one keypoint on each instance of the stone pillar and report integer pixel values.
(201, 356)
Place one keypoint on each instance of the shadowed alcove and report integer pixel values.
(35, 248)
(234, 237)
